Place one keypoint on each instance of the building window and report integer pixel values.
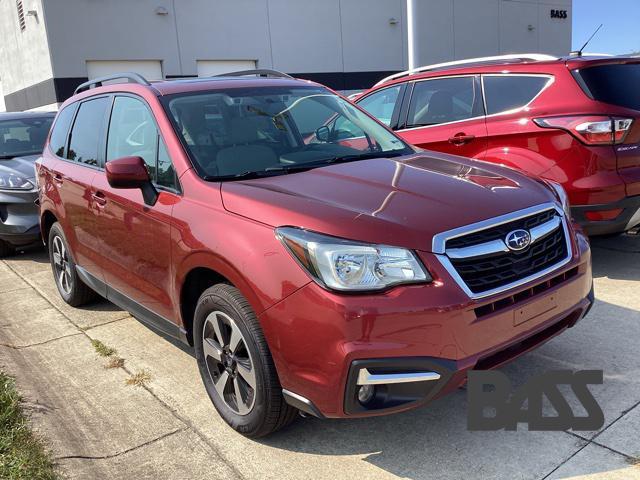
(21, 21)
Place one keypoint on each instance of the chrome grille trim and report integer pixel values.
(539, 232)
(498, 246)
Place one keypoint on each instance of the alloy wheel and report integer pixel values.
(61, 266)
(229, 362)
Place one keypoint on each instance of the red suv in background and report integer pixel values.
(314, 260)
(572, 120)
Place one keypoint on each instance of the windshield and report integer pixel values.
(616, 84)
(24, 136)
(250, 132)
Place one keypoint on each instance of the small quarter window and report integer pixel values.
(509, 92)
(87, 130)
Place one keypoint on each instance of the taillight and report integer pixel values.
(590, 129)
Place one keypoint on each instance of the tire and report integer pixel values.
(6, 249)
(263, 409)
(71, 288)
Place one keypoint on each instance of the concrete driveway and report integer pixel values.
(99, 427)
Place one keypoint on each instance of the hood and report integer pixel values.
(24, 166)
(400, 201)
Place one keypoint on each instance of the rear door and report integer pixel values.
(135, 237)
(73, 176)
(617, 85)
(445, 114)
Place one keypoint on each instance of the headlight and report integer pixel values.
(562, 197)
(13, 181)
(351, 266)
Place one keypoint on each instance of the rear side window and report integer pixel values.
(614, 84)
(382, 103)
(441, 100)
(87, 131)
(509, 92)
(58, 140)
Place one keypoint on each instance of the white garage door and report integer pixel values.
(209, 68)
(149, 69)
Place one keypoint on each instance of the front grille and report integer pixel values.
(489, 272)
(501, 231)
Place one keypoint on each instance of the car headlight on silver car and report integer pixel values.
(563, 198)
(352, 266)
(13, 181)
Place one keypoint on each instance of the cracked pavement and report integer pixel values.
(98, 427)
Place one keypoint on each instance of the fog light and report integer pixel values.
(365, 393)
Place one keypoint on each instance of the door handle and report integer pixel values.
(99, 198)
(461, 138)
(57, 178)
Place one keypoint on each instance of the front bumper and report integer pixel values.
(320, 341)
(19, 218)
(626, 220)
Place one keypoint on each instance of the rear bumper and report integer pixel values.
(627, 219)
(321, 341)
(19, 218)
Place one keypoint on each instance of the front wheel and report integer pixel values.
(236, 365)
(71, 288)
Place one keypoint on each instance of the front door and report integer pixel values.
(136, 238)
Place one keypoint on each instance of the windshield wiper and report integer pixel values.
(284, 169)
(332, 160)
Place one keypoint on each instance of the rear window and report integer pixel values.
(503, 93)
(614, 84)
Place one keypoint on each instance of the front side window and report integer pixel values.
(24, 136)
(87, 130)
(237, 133)
(503, 93)
(441, 100)
(133, 133)
(382, 103)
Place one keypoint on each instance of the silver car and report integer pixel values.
(22, 136)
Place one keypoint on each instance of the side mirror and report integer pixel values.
(131, 172)
(323, 133)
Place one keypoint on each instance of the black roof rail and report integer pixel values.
(259, 72)
(97, 82)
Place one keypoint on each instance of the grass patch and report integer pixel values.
(139, 379)
(101, 349)
(115, 362)
(22, 454)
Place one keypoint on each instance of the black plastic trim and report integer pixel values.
(400, 396)
(629, 205)
(138, 311)
(301, 403)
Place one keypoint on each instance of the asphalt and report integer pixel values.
(97, 426)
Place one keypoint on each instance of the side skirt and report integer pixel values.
(138, 311)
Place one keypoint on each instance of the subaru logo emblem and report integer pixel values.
(518, 240)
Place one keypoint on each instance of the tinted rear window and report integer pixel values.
(615, 84)
(87, 130)
(508, 92)
(60, 132)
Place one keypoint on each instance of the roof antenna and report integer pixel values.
(578, 53)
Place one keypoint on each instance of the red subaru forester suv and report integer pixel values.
(314, 260)
(573, 120)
